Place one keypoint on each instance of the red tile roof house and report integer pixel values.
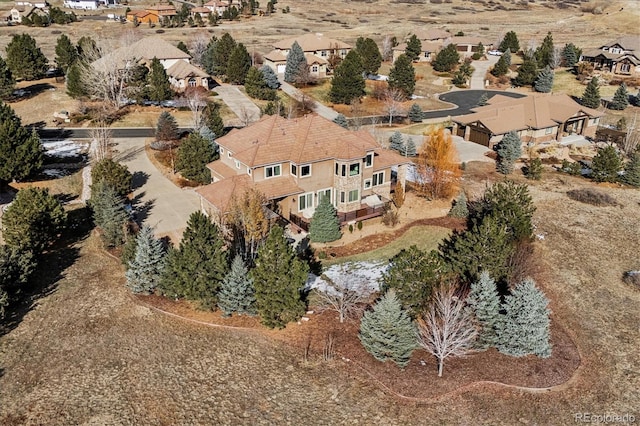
(296, 162)
(536, 118)
(316, 47)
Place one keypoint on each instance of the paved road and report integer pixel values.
(239, 103)
(84, 132)
(158, 201)
(321, 110)
(480, 71)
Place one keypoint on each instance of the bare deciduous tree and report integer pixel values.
(101, 138)
(632, 139)
(357, 114)
(198, 46)
(195, 98)
(447, 329)
(347, 294)
(393, 99)
(387, 48)
(556, 58)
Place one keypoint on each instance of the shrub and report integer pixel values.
(632, 277)
(572, 168)
(533, 170)
(389, 218)
(592, 196)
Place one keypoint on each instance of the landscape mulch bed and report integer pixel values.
(372, 242)
(419, 379)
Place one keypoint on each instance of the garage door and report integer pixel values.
(281, 69)
(479, 137)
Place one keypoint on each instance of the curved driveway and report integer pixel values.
(465, 100)
(158, 202)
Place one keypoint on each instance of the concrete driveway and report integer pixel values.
(320, 109)
(480, 71)
(158, 202)
(240, 104)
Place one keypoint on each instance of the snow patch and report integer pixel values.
(64, 148)
(369, 273)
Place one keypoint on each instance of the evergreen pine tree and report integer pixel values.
(236, 291)
(210, 137)
(7, 82)
(570, 55)
(415, 113)
(114, 174)
(484, 302)
(509, 150)
(524, 329)
(221, 52)
(484, 100)
(16, 267)
(183, 47)
(193, 156)
(146, 269)
(591, 96)
(324, 226)
(20, 149)
(606, 165)
(510, 42)
(459, 207)
(166, 127)
(446, 59)
(270, 77)
(73, 81)
(402, 76)
(25, 59)
(341, 121)
(507, 57)
(484, 246)
(527, 72)
(256, 86)
(213, 120)
(544, 53)
(387, 332)
(238, 65)
(278, 277)
(369, 54)
(158, 86)
(396, 142)
(413, 274)
(196, 270)
(295, 62)
(632, 170)
(534, 169)
(544, 81)
(108, 213)
(620, 99)
(209, 56)
(347, 83)
(414, 47)
(409, 147)
(66, 53)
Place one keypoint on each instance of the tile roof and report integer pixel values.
(221, 170)
(146, 48)
(275, 56)
(538, 111)
(431, 34)
(628, 43)
(425, 47)
(469, 40)
(200, 10)
(313, 59)
(312, 138)
(312, 42)
(183, 69)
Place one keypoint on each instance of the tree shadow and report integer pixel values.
(141, 209)
(139, 179)
(128, 154)
(50, 269)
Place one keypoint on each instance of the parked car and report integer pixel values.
(169, 104)
(495, 53)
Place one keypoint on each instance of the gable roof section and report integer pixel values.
(425, 47)
(627, 43)
(312, 43)
(274, 139)
(275, 56)
(144, 49)
(183, 69)
(431, 34)
(504, 114)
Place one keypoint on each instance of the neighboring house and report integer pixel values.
(217, 7)
(20, 12)
(428, 51)
(141, 16)
(536, 118)
(431, 35)
(81, 4)
(621, 56)
(202, 11)
(37, 3)
(161, 11)
(297, 162)
(317, 50)
(182, 75)
(466, 45)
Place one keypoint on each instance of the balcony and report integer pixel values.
(363, 213)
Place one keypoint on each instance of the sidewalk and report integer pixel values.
(320, 109)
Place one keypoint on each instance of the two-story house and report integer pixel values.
(317, 50)
(621, 56)
(297, 162)
(538, 118)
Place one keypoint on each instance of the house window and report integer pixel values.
(237, 164)
(354, 195)
(305, 201)
(272, 171)
(548, 130)
(625, 67)
(221, 150)
(354, 169)
(305, 170)
(341, 170)
(368, 160)
(192, 82)
(314, 68)
(229, 154)
(426, 54)
(249, 171)
(323, 53)
(342, 196)
(367, 183)
(378, 178)
(593, 121)
(324, 193)
(294, 170)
